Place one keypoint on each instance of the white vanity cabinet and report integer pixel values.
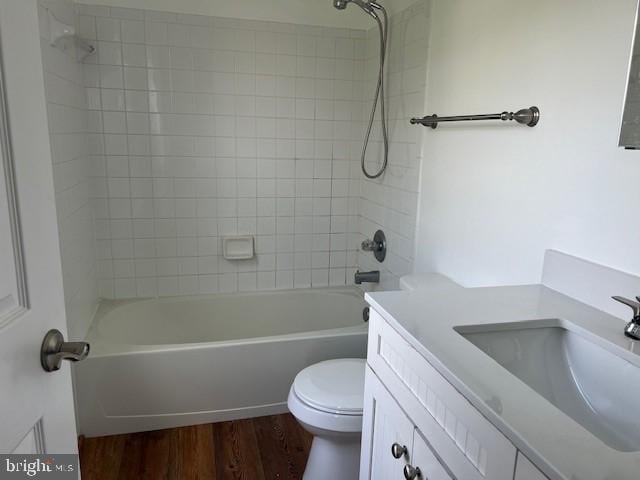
(525, 470)
(395, 443)
(408, 402)
(387, 425)
(424, 458)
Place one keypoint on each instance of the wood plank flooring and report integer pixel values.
(265, 448)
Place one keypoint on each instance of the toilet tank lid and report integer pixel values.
(333, 386)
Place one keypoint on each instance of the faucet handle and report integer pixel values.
(635, 306)
(378, 245)
(368, 245)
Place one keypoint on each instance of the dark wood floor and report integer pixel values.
(265, 448)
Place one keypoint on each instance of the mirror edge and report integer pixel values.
(634, 40)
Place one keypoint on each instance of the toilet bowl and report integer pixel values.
(326, 399)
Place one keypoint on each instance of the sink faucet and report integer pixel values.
(367, 277)
(633, 327)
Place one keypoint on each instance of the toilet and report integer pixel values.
(326, 399)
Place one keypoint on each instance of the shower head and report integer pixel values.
(367, 6)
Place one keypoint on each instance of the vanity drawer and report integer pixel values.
(468, 444)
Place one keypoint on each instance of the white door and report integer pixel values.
(388, 426)
(36, 408)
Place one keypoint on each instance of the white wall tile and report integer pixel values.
(132, 31)
(68, 102)
(211, 130)
(134, 55)
(391, 203)
(108, 29)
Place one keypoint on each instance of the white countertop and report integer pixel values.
(559, 446)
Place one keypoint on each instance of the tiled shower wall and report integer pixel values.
(202, 127)
(390, 203)
(66, 105)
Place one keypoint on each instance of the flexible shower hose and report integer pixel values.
(379, 95)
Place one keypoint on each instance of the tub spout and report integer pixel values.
(367, 277)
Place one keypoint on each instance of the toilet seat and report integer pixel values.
(327, 399)
(334, 386)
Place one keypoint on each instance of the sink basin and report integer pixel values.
(595, 387)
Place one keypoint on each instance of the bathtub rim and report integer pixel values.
(102, 347)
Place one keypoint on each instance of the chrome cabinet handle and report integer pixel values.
(410, 473)
(398, 451)
(54, 349)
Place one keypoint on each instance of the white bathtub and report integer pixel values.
(169, 362)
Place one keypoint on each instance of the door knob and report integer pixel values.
(55, 349)
(398, 451)
(410, 473)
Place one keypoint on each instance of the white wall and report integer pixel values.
(308, 12)
(66, 106)
(494, 197)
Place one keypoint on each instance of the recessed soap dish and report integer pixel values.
(238, 247)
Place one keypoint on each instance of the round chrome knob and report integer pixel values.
(398, 451)
(411, 472)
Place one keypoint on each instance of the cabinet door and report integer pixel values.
(384, 423)
(423, 458)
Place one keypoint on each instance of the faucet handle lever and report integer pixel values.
(368, 245)
(635, 306)
(378, 245)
